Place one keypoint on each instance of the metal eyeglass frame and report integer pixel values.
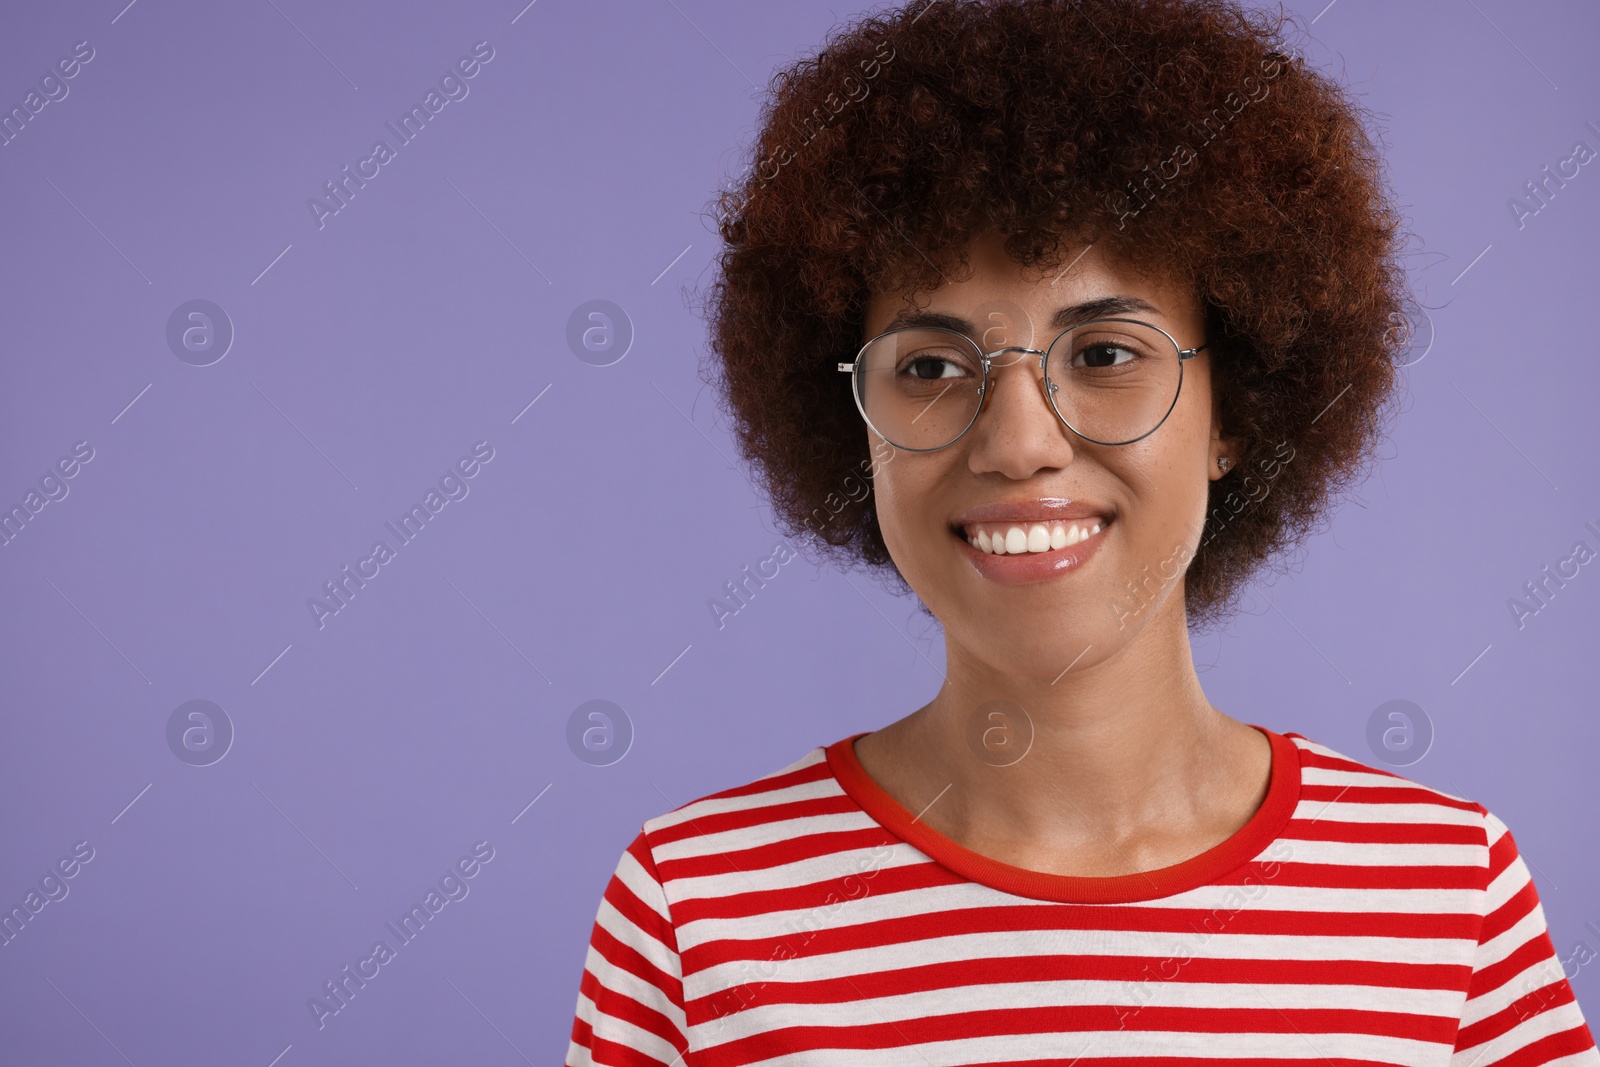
(984, 360)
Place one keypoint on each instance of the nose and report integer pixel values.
(1018, 431)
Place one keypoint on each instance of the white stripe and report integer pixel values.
(1360, 773)
(699, 809)
(1131, 997)
(1357, 778)
(837, 864)
(1509, 883)
(1323, 750)
(1010, 944)
(865, 863)
(1537, 975)
(626, 931)
(611, 1028)
(647, 889)
(876, 905)
(1514, 937)
(746, 837)
(1414, 814)
(630, 985)
(1531, 1029)
(1386, 854)
(1587, 1058)
(1093, 1044)
(1495, 829)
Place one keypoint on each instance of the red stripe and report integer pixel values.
(608, 1002)
(1067, 927)
(1313, 828)
(769, 983)
(1548, 1048)
(1055, 1020)
(718, 822)
(1384, 794)
(816, 772)
(787, 850)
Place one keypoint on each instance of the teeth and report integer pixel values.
(1009, 540)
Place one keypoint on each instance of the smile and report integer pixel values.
(1014, 539)
(1016, 553)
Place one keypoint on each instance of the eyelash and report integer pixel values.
(1133, 352)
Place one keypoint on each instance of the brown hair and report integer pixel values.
(1179, 133)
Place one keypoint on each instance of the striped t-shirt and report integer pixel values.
(806, 918)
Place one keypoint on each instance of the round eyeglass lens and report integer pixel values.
(919, 387)
(1114, 380)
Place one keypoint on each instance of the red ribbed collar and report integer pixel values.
(1283, 795)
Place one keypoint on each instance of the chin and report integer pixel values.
(1022, 650)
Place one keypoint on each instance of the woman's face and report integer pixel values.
(1035, 614)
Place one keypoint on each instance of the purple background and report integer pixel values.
(371, 353)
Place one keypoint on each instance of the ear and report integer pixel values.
(1220, 445)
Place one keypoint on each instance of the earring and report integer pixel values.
(1224, 463)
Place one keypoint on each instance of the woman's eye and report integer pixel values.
(1104, 355)
(930, 367)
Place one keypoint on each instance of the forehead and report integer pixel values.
(1091, 281)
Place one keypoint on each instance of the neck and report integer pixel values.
(1095, 757)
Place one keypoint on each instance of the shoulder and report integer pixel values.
(754, 824)
(1342, 794)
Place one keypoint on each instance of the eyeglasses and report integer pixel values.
(1111, 381)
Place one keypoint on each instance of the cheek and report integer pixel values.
(1181, 448)
(889, 498)
(903, 492)
(1167, 488)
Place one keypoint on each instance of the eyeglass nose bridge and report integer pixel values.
(987, 359)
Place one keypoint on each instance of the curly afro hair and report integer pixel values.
(1182, 134)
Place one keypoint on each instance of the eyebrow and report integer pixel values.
(1064, 318)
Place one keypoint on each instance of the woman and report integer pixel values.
(1100, 299)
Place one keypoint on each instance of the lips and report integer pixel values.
(1015, 538)
(1039, 523)
(1032, 540)
(1044, 509)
